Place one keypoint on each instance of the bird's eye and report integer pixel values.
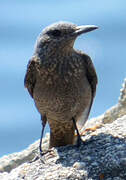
(56, 33)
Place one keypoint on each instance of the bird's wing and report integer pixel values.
(91, 75)
(93, 80)
(30, 76)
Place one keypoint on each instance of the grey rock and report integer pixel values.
(79, 165)
(117, 110)
(101, 155)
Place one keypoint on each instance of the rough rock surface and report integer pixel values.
(101, 156)
(118, 110)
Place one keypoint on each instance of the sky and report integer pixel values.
(20, 24)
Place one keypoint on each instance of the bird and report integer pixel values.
(62, 82)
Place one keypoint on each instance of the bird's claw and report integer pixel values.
(37, 157)
(41, 157)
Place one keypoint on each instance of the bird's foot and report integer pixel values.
(37, 157)
(41, 156)
(34, 159)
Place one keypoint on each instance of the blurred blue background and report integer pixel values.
(20, 24)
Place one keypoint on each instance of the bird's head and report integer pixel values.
(61, 36)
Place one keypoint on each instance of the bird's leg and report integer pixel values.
(43, 120)
(78, 134)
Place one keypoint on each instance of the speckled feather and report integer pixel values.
(62, 83)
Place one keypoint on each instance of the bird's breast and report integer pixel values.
(60, 89)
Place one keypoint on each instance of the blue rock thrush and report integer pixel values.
(62, 81)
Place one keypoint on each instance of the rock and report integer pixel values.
(117, 110)
(7, 163)
(101, 156)
(79, 165)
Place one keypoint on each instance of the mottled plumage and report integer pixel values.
(61, 80)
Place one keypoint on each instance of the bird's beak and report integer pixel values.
(84, 29)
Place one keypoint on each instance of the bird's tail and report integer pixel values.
(61, 134)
